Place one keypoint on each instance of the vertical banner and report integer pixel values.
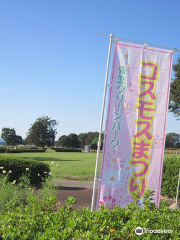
(134, 138)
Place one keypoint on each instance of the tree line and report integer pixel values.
(43, 133)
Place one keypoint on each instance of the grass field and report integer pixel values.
(67, 165)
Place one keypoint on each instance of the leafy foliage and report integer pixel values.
(66, 150)
(42, 132)
(37, 219)
(63, 141)
(73, 140)
(10, 137)
(16, 167)
(170, 176)
(174, 105)
(25, 150)
(172, 140)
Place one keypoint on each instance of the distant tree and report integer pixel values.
(10, 137)
(42, 132)
(82, 139)
(172, 140)
(64, 141)
(18, 140)
(174, 105)
(91, 136)
(94, 143)
(73, 140)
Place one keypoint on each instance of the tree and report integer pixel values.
(42, 132)
(10, 137)
(18, 140)
(174, 105)
(94, 143)
(91, 136)
(64, 141)
(82, 139)
(73, 140)
(172, 140)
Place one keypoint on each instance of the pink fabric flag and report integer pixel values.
(134, 138)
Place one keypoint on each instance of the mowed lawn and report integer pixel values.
(68, 165)
(64, 165)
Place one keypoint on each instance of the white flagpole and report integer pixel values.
(178, 188)
(101, 123)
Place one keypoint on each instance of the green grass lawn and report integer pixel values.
(67, 165)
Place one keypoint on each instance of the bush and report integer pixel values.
(170, 176)
(66, 150)
(38, 220)
(24, 150)
(37, 171)
(2, 150)
(13, 151)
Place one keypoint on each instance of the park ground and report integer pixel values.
(68, 165)
(67, 168)
(64, 165)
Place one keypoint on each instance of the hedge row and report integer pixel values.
(16, 167)
(2, 150)
(66, 150)
(170, 176)
(24, 150)
(38, 220)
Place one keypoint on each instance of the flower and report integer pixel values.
(108, 202)
(114, 161)
(50, 173)
(4, 171)
(111, 178)
(39, 174)
(127, 107)
(112, 230)
(30, 188)
(27, 169)
(52, 162)
(157, 142)
(14, 182)
(123, 197)
(45, 172)
(57, 165)
(134, 87)
(10, 171)
(1, 167)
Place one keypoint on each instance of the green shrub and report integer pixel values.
(66, 150)
(170, 176)
(13, 151)
(37, 171)
(24, 150)
(37, 219)
(2, 150)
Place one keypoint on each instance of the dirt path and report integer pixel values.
(82, 191)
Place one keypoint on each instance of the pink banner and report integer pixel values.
(134, 138)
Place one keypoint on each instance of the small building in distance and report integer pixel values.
(87, 148)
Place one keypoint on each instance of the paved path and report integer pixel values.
(81, 190)
(74, 183)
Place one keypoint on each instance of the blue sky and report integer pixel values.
(52, 62)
